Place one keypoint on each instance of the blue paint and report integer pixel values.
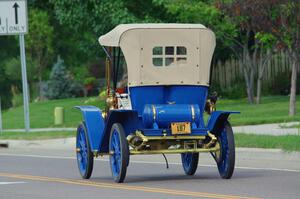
(115, 159)
(187, 159)
(217, 120)
(142, 95)
(164, 114)
(128, 119)
(223, 165)
(94, 122)
(82, 155)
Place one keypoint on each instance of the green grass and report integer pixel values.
(272, 110)
(42, 113)
(285, 142)
(36, 135)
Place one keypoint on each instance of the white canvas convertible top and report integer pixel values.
(164, 54)
(113, 37)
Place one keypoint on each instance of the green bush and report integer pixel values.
(80, 73)
(61, 84)
(90, 81)
(236, 91)
(281, 84)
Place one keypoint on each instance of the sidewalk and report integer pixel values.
(269, 129)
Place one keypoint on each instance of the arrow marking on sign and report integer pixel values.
(16, 6)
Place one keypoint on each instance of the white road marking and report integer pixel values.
(147, 162)
(8, 183)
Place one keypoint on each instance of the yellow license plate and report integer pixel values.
(180, 128)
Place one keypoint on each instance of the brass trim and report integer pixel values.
(175, 137)
(212, 141)
(175, 151)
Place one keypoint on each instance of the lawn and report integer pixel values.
(285, 142)
(42, 113)
(272, 110)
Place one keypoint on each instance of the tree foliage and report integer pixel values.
(61, 84)
(281, 20)
(39, 41)
(204, 12)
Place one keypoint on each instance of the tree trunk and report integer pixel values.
(248, 74)
(249, 77)
(258, 90)
(40, 74)
(292, 108)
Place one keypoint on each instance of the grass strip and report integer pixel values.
(284, 142)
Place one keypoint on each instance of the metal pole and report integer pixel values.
(24, 83)
(0, 118)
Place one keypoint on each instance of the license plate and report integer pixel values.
(180, 128)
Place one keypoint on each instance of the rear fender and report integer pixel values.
(94, 123)
(129, 121)
(218, 119)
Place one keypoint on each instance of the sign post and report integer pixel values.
(13, 21)
(0, 118)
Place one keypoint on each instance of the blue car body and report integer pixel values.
(172, 103)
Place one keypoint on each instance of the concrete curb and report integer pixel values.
(62, 143)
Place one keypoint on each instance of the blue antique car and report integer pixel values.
(158, 106)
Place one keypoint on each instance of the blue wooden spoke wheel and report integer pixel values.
(85, 158)
(226, 157)
(189, 162)
(119, 158)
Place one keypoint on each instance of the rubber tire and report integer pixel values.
(226, 168)
(190, 168)
(119, 178)
(90, 157)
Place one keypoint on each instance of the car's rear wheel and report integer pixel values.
(189, 162)
(225, 158)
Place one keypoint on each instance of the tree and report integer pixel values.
(90, 19)
(246, 45)
(232, 31)
(281, 19)
(206, 13)
(61, 84)
(5, 93)
(39, 42)
(267, 48)
(8, 49)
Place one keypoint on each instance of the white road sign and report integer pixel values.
(13, 17)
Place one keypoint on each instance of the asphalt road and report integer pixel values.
(52, 174)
